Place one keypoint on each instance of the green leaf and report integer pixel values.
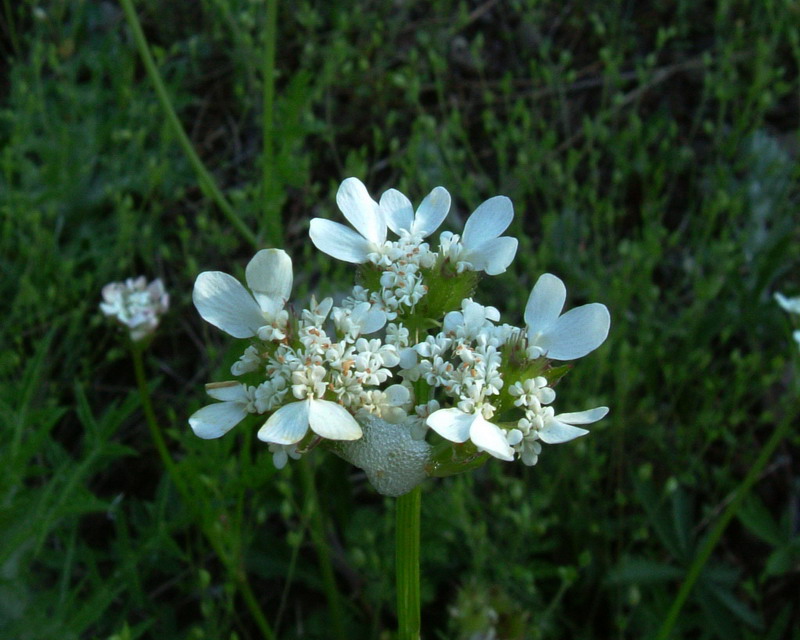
(643, 571)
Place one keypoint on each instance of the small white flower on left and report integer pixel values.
(224, 302)
(135, 304)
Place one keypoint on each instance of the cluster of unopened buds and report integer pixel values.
(136, 305)
(408, 377)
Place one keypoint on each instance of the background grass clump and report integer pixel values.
(650, 151)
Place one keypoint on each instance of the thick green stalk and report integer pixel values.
(716, 533)
(407, 559)
(231, 564)
(317, 530)
(207, 182)
(272, 218)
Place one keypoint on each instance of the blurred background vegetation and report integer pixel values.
(650, 150)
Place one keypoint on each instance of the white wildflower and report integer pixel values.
(215, 420)
(562, 337)
(135, 304)
(399, 212)
(363, 213)
(224, 302)
(247, 363)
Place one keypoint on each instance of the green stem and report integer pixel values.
(716, 533)
(231, 564)
(272, 217)
(317, 530)
(207, 183)
(150, 418)
(11, 27)
(407, 559)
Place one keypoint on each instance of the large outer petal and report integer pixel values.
(493, 256)
(215, 420)
(223, 301)
(339, 241)
(488, 221)
(556, 432)
(490, 438)
(583, 417)
(578, 332)
(544, 304)
(287, 425)
(397, 210)
(361, 210)
(452, 424)
(269, 276)
(231, 391)
(332, 421)
(432, 212)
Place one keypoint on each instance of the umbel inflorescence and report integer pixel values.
(409, 377)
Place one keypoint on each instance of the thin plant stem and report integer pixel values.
(231, 564)
(272, 218)
(11, 28)
(715, 534)
(206, 180)
(150, 418)
(317, 531)
(407, 563)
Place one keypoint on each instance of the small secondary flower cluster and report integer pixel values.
(409, 349)
(135, 305)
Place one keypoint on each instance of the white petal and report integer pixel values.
(498, 254)
(490, 438)
(408, 358)
(583, 417)
(223, 301)
(452, 424)
(339, 241)
(544, 304)
(578, 332)
(269, 275)
(432, 212)
(397, 210)
(332, 421)
(374, 320)
(488, 221)
(227, 391)
(361, 210)
(287, 425)
(474, 314)
(555, 432)
(216, 420)
(397, 395)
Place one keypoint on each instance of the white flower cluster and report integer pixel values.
(135, 304)
(408, 353)
(790, 305)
